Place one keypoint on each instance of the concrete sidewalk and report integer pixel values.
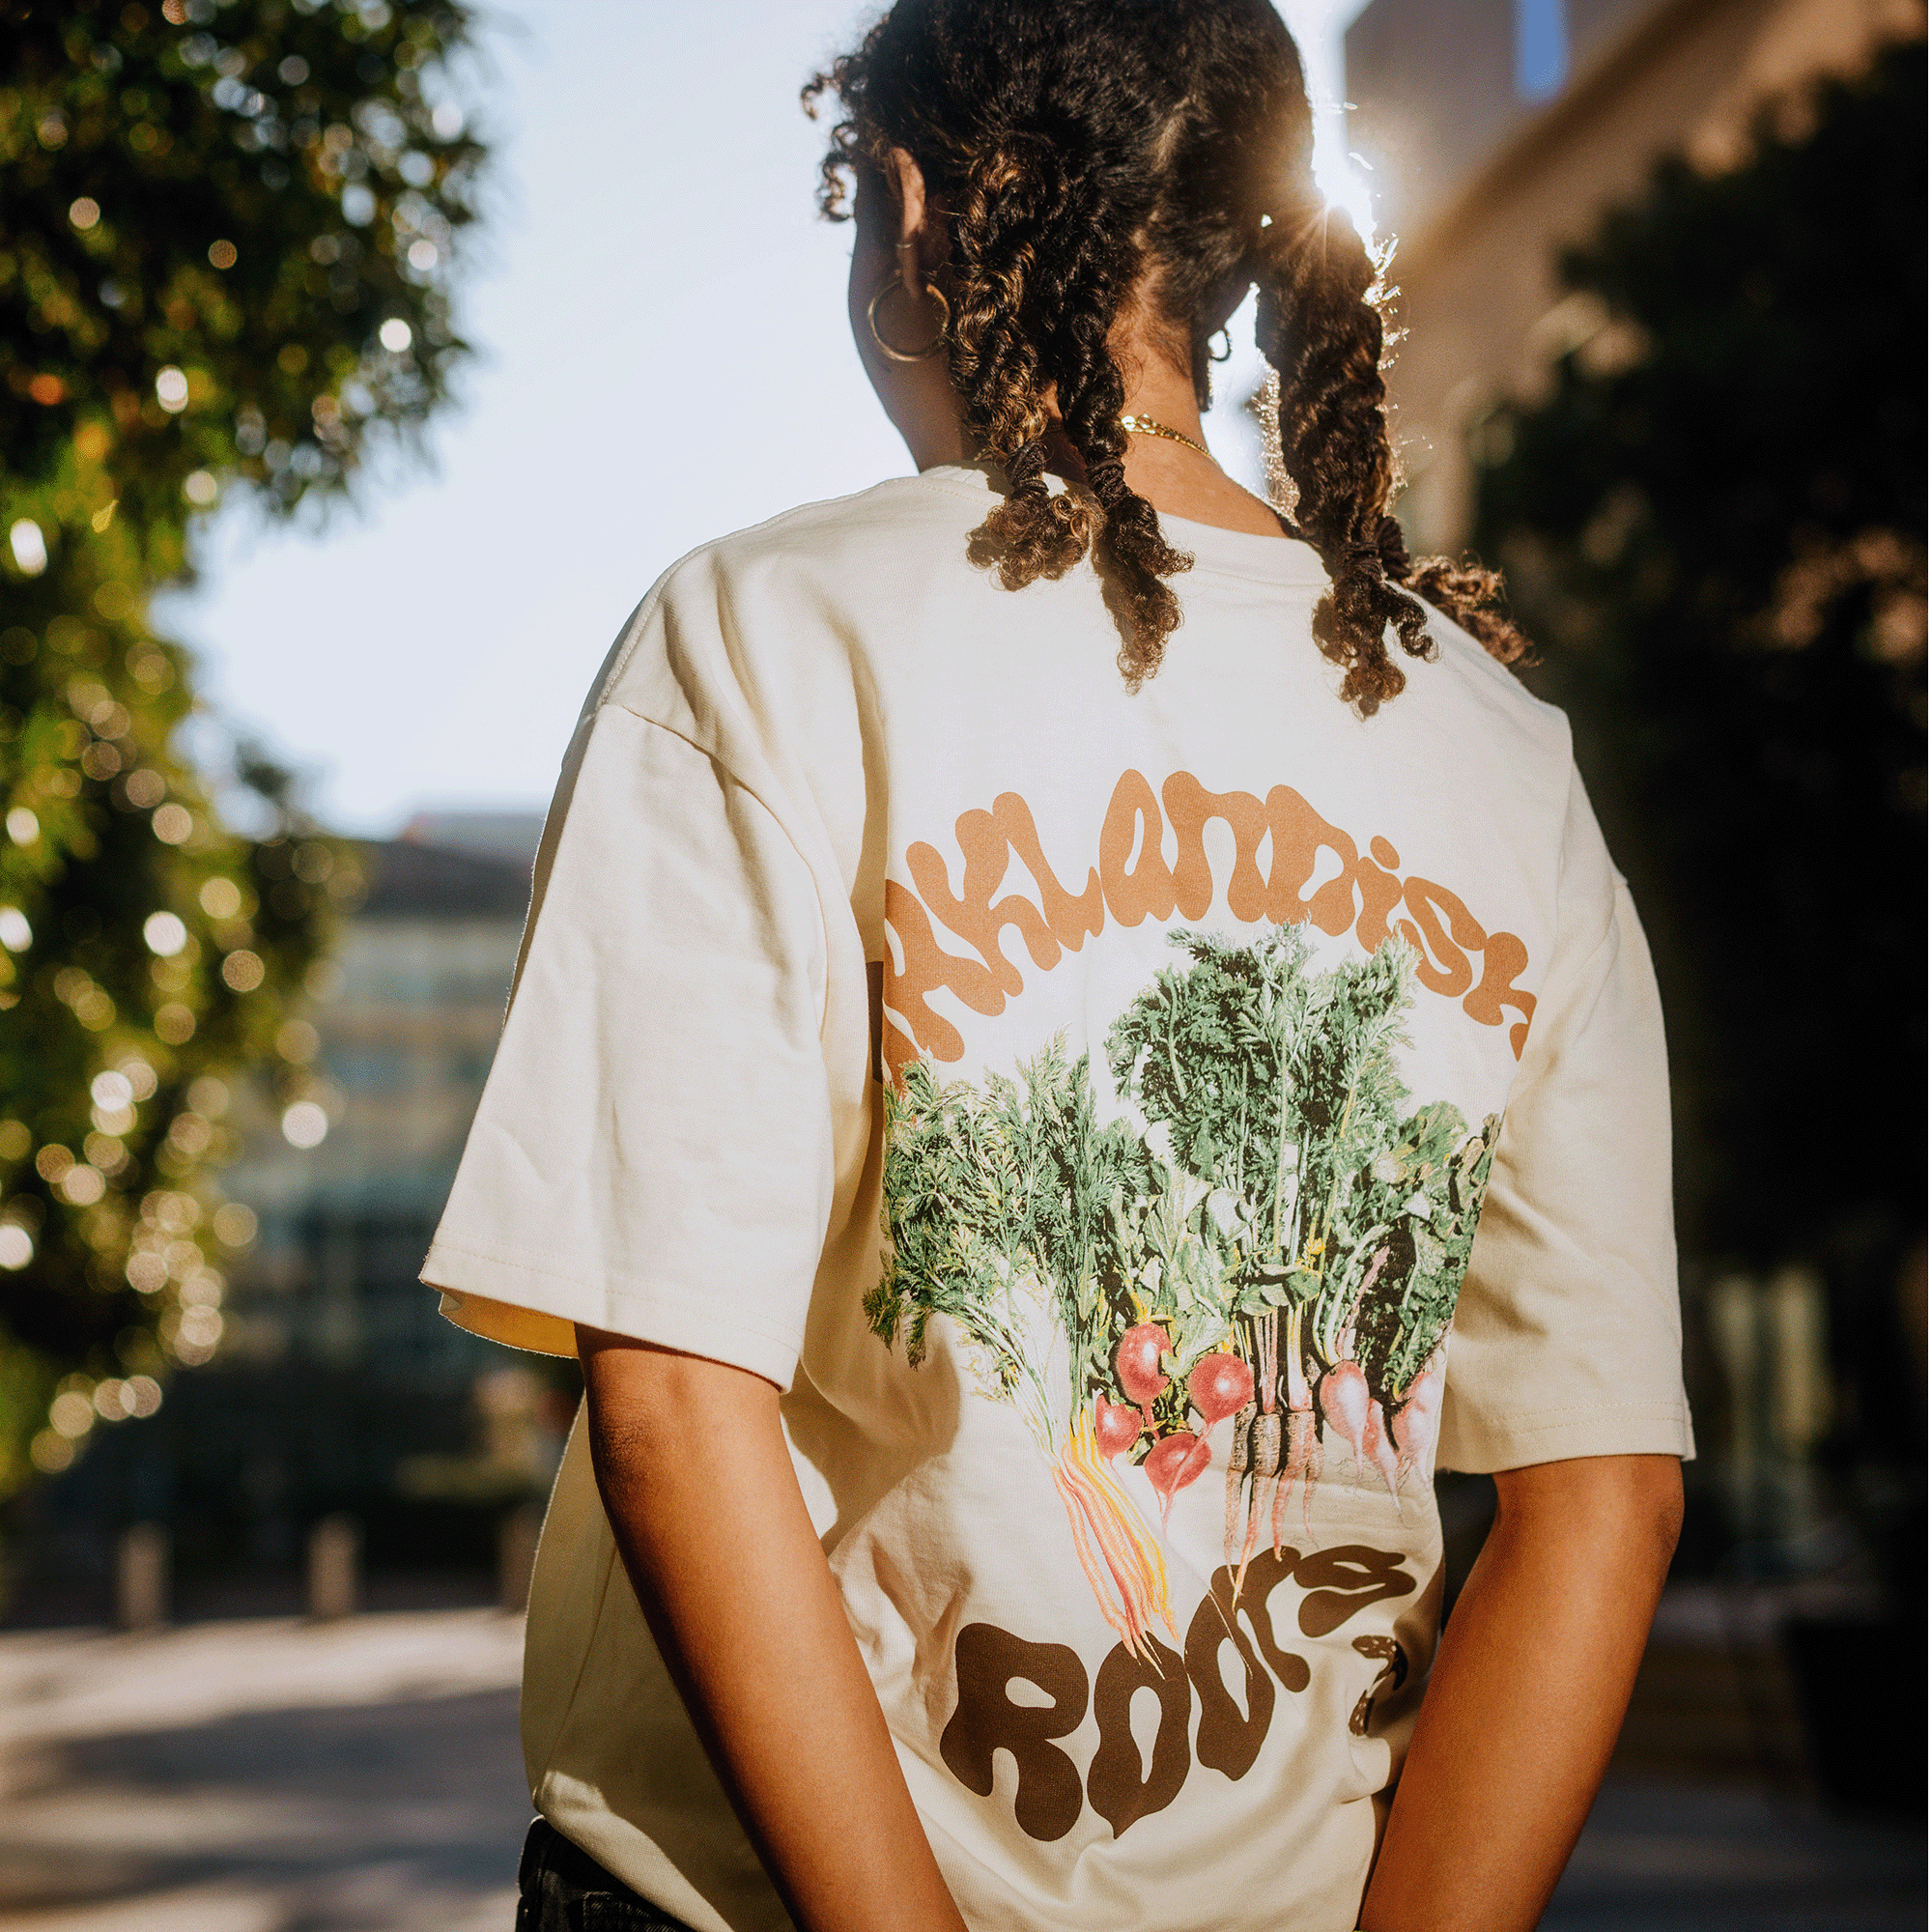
(262, 1777)
(273, 1775)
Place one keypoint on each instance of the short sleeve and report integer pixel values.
(1568, 1340)
(653, 1152)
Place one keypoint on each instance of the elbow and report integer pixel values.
(1634, 1502)
(1658, 1500)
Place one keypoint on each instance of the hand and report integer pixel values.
(701, 1495)
(1527, 1695)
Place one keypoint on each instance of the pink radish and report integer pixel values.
(1221, 1386)
(1344, 1402)
(1137, 1363)
(1173, 1463)
(1415, 1422)
(1116, 1426)
(1376, 1449)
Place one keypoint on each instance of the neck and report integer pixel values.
(1177, 481)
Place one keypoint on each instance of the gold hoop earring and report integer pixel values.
(885, 348)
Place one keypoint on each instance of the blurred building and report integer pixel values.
(337, 1388)
(1499, 130)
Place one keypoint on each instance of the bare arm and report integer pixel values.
(1527, 1695)
(699, 1489)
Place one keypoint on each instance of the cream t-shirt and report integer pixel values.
(1116, 1320)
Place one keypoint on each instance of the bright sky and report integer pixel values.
(664, 357)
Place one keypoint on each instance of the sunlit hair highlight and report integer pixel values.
(1092, 154)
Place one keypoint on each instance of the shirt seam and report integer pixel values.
(1554, 1418)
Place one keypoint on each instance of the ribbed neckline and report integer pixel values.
(1279, 560)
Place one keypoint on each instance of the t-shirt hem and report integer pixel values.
(1487, 1445)
(694, 1324)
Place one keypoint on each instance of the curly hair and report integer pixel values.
(1092, 154)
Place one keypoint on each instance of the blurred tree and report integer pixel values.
(225, 256)
(1715, 521)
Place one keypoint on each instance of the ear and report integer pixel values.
(914, 242)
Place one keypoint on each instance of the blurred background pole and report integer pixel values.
(335, 1566)
(141, 1576)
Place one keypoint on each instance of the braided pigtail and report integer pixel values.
(1136, 559)
(1009, 207)
(1320, 326)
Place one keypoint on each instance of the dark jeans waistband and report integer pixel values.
(562, 1889)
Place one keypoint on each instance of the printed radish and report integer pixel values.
(1137, 1363)
(1345, 1402)
(1221, 1386)
(1415, 1422)
(1172, 1463)
(1376, 1449)
(1116, 1426)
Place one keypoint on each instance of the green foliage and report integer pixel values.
(1015, 1211)
(225, 253)
(1716, 523)
(244, 195)
(1003, 1212)
(1276, 1088)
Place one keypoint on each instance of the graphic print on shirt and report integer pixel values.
(1272, 1240)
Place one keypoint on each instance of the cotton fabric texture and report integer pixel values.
(1231, 1046)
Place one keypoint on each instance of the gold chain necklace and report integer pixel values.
(1146, 426)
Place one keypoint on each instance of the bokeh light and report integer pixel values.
(242, 972)
(112, 1090)
(16, 1245)
(234, 1225)
(164, 933)
(171, 389)
(16, 934)
(29, 545)
(304, 1124)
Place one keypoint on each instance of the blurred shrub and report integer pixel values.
(1716, 523)
(226, 251)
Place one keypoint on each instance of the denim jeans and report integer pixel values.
(564, 1889)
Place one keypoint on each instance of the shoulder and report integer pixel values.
(824, 540)
(1467, 681)
(785, 583)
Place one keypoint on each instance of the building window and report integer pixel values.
(1542, 48)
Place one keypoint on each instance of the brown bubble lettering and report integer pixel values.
(1120, 1789)
(1229, 1738)
(987, 1660)
(1345, 1579)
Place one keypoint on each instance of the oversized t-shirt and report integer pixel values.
(1144, 1134)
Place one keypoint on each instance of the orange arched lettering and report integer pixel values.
(1445, 933)
(1148, 891)
(1190, 805)
(924, 968)
(1301, 833)
(1504, 956)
